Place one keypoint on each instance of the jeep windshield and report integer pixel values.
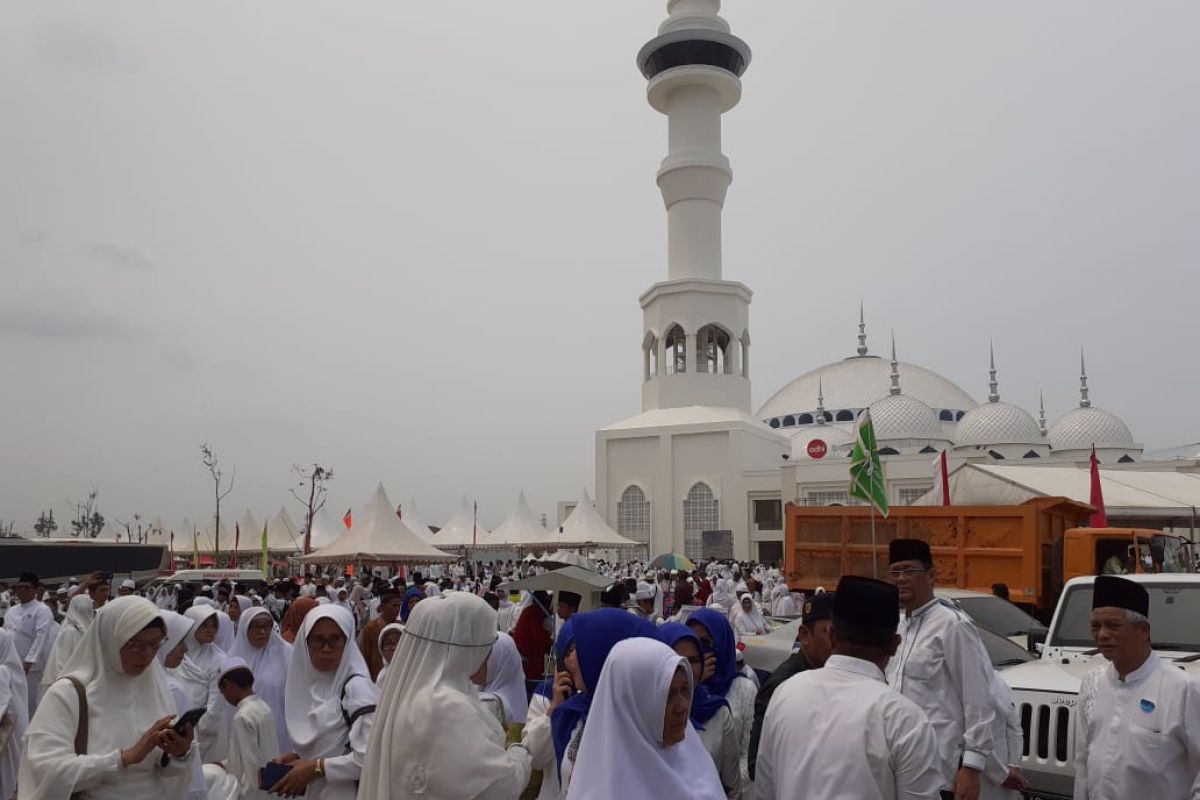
(1173, 610)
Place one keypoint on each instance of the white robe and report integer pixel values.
(80, 614)
(252, 744)
(840, 732)
(198, 674)
(506, 680)
(269, 665)
(120, 709)
(14, 713)
(1138, 738)
(32, 626)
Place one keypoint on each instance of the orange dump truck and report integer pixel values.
(1031, 548)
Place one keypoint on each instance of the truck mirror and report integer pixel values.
(1037, 640)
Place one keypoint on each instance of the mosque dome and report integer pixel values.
(1085, 426)
(854, 383)
(997, 423)
(901, 417)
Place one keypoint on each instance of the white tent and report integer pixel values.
(414, 522)
(378, 537)
(208, 542)
(247, 535)
(462, 530)
(522, 531)
(586, 528)
(324, 531)
(282, 534)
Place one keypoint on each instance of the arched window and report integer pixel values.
(789, 421)
(676, 350)
(701, 513)
(888, 451)
(946, 415)
(712, 350)
(828, 417)
(804, 419)
(928, 449)
(1032, 454)
(649, 356)
(995, 455)
(959, 415)
(633, 516)
(845, 415)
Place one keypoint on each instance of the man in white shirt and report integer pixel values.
(841, 731)
(31, 624)
(253, 741)
(942, 666)
(1137, 733)
(127, 587)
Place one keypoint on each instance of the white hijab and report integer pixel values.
(178, 628)
(744, 621)
(506, 679)
(225, 632)
(394, 626)
(621, 754)
(313, 699)
(269, 664)
(80, 613)
(447, 638)
(120, 707)
(202, 660)
(14, 700)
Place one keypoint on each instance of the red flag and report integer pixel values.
(346, 520)
(237, 538)
(172, 549)
(1099, 518)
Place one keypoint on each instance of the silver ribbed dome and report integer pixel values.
(1083, 427)
(997, 423)
(899, 416)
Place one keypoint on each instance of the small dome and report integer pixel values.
(899, 416)
(997, 423)
(1086, 426)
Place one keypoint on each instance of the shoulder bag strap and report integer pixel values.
(81, 729)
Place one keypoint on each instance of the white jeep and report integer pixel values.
(1046, 690)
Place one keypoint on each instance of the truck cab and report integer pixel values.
(1124, 551)
(1046, 691)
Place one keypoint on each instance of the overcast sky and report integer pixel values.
(406, 239)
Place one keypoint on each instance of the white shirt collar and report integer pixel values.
(856, 665)
(1138, 675)
(918, 612)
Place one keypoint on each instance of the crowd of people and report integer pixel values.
(442, 684)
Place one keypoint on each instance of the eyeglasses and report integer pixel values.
(907, 572)
(326, 642)
(142, 646)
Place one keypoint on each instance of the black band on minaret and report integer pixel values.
(693, 52)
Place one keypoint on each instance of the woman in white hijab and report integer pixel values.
(638, 741)
(329, 706)
(433, 737)
(723, 596)
(80, 613)
(503, 687)
(747, 619)
(129, 714)
(782, 602)
(197, 676)
(225, 632)
(389, 640)
(268, 656)
(14, 712)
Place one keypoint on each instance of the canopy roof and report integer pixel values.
(324, 531)
(462, 530)
(522, 530)
(378, 537)
(585, 528)
(414, 522)
(1128, 493)
(283, 535)
(583, 582)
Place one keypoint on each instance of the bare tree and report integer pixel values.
(45, 525)
(88, 519)
(312, 483)
(133, 530)
(209, 459)
(8, 530)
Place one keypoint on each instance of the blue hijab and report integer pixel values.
(594, 634)
(704, 703)
(724, 647)
(413, 591)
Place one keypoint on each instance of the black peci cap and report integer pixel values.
(867, 603)
(1110, 591)
(817, 607)
(909, 550)
(28, 577)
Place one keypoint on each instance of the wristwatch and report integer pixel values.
(320, 770)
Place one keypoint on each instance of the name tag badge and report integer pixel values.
(1147, 706)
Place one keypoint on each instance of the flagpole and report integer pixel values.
(874, 552)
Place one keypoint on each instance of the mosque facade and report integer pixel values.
(700, 472)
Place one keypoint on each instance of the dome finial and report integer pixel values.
(1084, 402)
(895, 367)
(993, 386)
(1042, 412)
(820, 400)
(862, 330)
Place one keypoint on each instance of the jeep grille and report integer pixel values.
(1048, 731)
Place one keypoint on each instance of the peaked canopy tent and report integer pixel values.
(207, 542)
(1132, 497)
(378, 537)
(584, 527)
(461, 531)
(325, 531)
(414, 522)
(522, 531)
(283, 536)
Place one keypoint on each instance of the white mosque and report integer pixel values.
(698, 471)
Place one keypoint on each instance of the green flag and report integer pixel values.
(266, 559)
(866, 473)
